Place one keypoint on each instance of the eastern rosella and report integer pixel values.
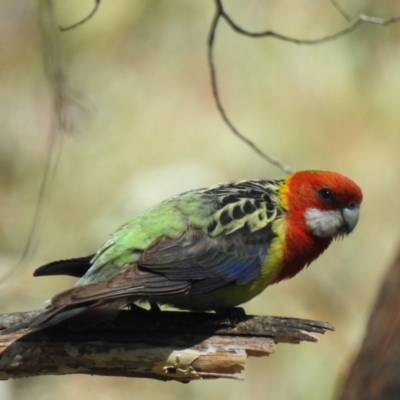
(210, 249)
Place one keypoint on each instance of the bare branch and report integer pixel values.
(340, 9)
(176, 346)
(218, 14)
(81, 22)
(61, 121)
(349, 28)
(221, 14)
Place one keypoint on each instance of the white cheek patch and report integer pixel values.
(324, 223)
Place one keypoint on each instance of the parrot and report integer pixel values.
(210, 249)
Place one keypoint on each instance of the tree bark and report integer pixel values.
(159, 345)
(376, 371)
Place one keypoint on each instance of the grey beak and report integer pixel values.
(350, 216)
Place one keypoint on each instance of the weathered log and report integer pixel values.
(165, 345)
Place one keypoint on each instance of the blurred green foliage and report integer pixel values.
(150, 129)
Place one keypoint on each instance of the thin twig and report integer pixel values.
(218, 14)
(81, 22)
(349, 28)
(221, 14)
(340, 9)
(60, 122)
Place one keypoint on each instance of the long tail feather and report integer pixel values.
(79, 318)
(73, 267)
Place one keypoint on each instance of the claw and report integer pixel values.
(235, 315)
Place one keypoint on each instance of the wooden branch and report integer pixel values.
(159, 345)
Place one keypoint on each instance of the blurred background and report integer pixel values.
(148, 128)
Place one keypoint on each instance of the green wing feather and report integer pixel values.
(192, 244)
(171, 218)
(220, 210)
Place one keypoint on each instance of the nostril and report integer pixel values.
(352, 205)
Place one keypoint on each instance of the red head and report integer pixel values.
(326, 203)
(320, 206)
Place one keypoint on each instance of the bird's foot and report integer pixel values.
(234, 315)
(135, 308)
(154, 307)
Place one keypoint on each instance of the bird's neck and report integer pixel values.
(301, 247)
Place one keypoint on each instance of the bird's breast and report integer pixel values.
(299, 250)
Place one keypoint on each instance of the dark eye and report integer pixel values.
(325, 194)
